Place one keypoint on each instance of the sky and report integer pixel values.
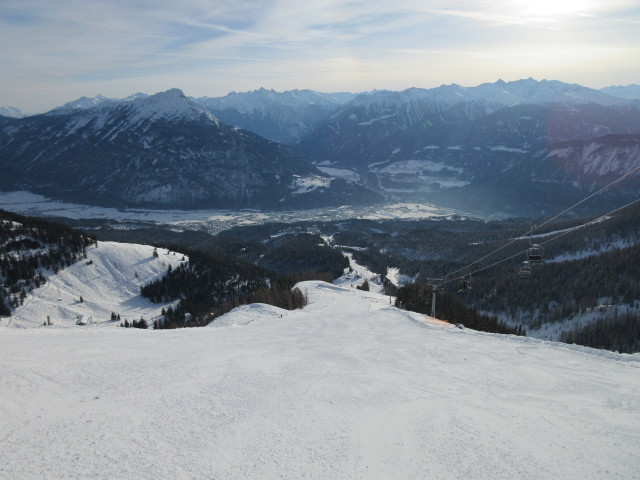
(54, 52)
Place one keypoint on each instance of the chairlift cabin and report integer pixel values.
(464, 284)
(525, 270)
(535, 253)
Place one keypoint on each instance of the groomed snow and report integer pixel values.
(108, 280)
(346, 388)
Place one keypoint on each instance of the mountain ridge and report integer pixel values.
(414, 144)
(164, 151)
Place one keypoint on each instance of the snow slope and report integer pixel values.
(109, 280)
(357, 276)
(346, 388)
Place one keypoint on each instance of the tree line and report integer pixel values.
(417, 297)
(211, 285)
(29, 247)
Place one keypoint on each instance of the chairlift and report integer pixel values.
(525, 269)
(535, 253)
(464, 284)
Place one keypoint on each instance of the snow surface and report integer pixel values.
(171, 104)
(502, 148)
(525, 91)
(358, 274)
(398, 279)
(11, 112)
(109, 280)
(417, 166)
(344, 173)
(309, 184)
(348, 387)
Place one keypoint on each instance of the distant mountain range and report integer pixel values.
(11, 112)
(160, 151)
(478, 148)
(518, 147)
(281, 117)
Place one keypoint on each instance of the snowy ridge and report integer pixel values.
(84, 103)
(81, 103)
(161, 151)
(11, 112)
(262, 99)
(122, 116)
(526, 91)
(628, 92)
(282, 117)
(169, 105)
(347, 387)
(246, 314)
(99, 111)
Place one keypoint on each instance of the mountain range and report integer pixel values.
(160, 151)
(479, 148)
(11, 112)
(517, 147)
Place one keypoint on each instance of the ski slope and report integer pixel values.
(108, 280)
(346, 388)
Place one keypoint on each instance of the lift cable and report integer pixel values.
(630, 172)
(546, 241)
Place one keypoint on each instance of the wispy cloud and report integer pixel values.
(70, 48)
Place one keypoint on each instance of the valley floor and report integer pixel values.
(348, 387)
(213, 221)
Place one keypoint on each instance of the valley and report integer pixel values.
(210, 221)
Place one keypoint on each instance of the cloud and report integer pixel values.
(70, 48)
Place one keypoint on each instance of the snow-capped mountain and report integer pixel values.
(287, 117)
(417, 143)
(83, 103)
(628, 92)
(600, 160)
(11, 112)
(549, 179)
(282, 117)
(263, 99)
(543, 92)
(500, 93)
(163, 151)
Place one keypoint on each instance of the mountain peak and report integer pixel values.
(171, 93)
(81, 103)
(627, 92)
(11, 112)
(171, 104)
